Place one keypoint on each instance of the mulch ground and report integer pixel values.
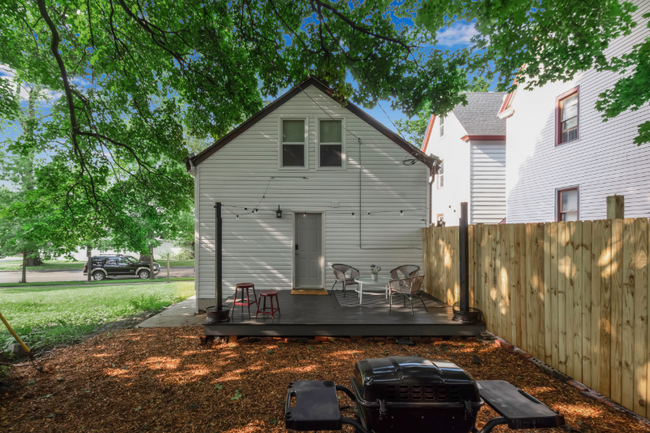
(163, 380)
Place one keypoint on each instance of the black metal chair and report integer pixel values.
(408, 288)
(341, 272)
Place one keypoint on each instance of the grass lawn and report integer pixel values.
(86, 283)
(51, 265)
(53, 315)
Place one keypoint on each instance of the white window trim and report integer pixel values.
(438, 176)
(280, 143)
(344, 155)
(441, 125)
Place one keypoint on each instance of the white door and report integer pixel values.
(309, 251)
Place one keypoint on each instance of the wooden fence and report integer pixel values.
(573, 294)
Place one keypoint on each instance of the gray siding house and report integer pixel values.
(350, 191)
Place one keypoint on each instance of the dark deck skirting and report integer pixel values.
(305, 315)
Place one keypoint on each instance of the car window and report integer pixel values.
(111, 262)
(122, 261)
(131, 259)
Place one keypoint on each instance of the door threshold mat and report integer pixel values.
(317, 292)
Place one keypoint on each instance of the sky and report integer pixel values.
(451, 38)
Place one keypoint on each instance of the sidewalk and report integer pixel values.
(181, 314)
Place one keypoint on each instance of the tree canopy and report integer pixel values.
(136, 79)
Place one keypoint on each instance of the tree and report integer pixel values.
(479, 84)
(133, 76)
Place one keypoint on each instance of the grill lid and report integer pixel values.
(413, 379)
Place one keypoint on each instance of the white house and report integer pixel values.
(470, 141)
(350, 191)
(563, 160)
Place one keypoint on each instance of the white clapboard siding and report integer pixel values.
(603, 161)
(259, 248)
(487, 181)
(455, 153)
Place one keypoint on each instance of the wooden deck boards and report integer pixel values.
(306, 315)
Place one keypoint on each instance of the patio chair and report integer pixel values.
(345, 275)
(407, 287)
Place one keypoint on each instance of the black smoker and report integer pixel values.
(413, 394)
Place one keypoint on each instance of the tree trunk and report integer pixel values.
(151, 274)
(33, 261)
(24, 278)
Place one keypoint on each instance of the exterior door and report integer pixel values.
(309, 251)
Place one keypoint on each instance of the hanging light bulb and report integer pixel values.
(304, 215)
(352, 214)
(401, 213)
(237, 216)
(255, 211)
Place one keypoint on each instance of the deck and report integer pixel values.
(314, 315)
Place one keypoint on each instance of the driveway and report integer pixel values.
(77, 275)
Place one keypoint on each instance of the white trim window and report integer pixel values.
(442, 126)
(441, 175)
(293, 147)
(331, 143)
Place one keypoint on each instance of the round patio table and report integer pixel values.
(369, 282)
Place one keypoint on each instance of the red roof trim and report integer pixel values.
(508, 100)
(428, 134)
(484, 137)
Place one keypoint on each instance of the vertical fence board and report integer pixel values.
(561, 294)
(576, 241)
(548, 342)
(585, 308)
(512, 278)
(617, 292)
(478, 274)
(521, 284)
(605, 269)
(569, 291)
(532, 334)
(498, 279)
(555, 319)
(471, 264)
(640, 315)
(489, 268)
(627, 323)
(597, 324)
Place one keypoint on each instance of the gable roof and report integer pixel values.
(479, 116)
(429, 161)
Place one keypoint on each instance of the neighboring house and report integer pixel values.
(350, 191)
(563, 160)
(470, 141)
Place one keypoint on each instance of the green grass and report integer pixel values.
(86, 283)
(43, 316)
(58, 265)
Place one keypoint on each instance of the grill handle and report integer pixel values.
(382, 409)
(347, 392)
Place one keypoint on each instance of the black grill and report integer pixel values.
(411, 393)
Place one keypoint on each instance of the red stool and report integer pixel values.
(248, 302)
(264, 310)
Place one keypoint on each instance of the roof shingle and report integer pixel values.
(479, 116)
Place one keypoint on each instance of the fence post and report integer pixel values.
(615, 207)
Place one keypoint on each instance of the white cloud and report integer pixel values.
(8, 73)
(459, 33)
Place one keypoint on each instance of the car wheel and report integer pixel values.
(143, 275)
(98, 275)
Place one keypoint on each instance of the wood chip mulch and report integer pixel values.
(163, 380)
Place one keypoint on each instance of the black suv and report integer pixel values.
(114, 265)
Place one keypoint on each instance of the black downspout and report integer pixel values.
(463, 232)
(218, 314)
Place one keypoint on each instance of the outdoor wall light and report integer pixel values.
(278, 213)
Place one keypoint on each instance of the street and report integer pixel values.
(77, 275)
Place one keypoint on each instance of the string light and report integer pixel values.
(352, 214)
(304, 215)
(401, 213)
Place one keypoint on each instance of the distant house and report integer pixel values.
(471, 142)
(349, 191)
(563, 160)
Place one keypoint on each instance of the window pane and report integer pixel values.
(331, 155)
(569, 124)
(570, 135)
(293, 155)
(442, 126)
(570, 200)
(330, 131)
(570, 216)
(293, 131)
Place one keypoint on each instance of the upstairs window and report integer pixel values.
(441, 175)
(330, 141)
(567, 117)
(293, 143)
(442, 126)
(568, 204)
